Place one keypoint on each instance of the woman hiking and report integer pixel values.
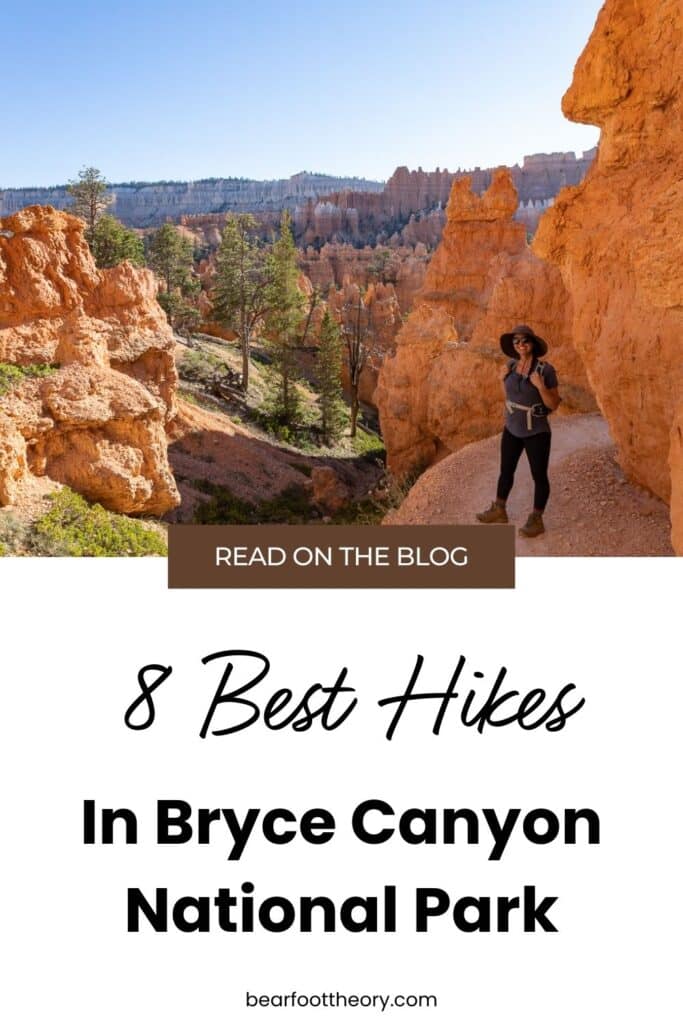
(530, 388)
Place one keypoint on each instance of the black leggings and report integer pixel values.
(537, 448)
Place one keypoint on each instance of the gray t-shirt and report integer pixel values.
(521, 391)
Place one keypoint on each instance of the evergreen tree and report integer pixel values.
(90, 199)
(113, 243)
(182, 315)
(285, 311)
(241, 289)
(170, 256)
(332, 407)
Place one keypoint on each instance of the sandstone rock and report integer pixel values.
(329, 492)
(98, 422)
(618, 237)
(12, 460)
(442, 390)
(404, 388)
(412, 203)
(676, 464)
(335, 264)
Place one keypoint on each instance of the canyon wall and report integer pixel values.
(142, 204)
(441, 389)
(618, 237)
(324, 208)
(410, 208)
(676, 465)
(96, 420)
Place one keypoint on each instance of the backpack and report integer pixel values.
(513, 362)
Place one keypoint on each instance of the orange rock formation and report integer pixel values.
(618, 237)
(404, 267)
(98, 422)
(441, 390)
(676, 461)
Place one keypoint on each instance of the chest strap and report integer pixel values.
(531, 410)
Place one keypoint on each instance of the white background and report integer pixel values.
(75, 634)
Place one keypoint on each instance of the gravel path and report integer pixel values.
(593, 509)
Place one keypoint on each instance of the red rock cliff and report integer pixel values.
(97, 423)
(441, 390)
(618, 237)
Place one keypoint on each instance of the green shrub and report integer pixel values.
(74, 528)
(367, 443)
(199, 367)
(11, 376)
(290, 506)
(13, 534)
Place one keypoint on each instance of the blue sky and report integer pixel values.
(152, 90)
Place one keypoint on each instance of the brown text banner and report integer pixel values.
(341, 556)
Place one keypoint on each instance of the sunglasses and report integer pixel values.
(521, 341)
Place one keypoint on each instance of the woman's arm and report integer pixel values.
(551, 396)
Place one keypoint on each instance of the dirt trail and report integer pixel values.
(593, 509)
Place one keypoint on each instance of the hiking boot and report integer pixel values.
(533, 526)
(495, 514)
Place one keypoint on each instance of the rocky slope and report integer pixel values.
(96, 421)
(618, 237)
(441, 390)
(209, 451)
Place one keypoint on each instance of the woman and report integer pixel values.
(530, 388)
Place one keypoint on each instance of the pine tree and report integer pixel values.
(332, 407)
(113, 243)
(170, 257)
(241, 292)
(90, 199)
(283, 321)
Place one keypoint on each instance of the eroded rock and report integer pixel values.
(97, 423)
(618, 237)
(676, 464)
(442, 389)
(328, 491)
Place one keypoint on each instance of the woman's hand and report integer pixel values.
(551, 396)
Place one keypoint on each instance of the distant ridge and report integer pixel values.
(357, 209)
(144, 204)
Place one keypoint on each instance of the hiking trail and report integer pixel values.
(593, 508)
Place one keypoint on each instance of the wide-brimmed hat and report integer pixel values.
(540, 346)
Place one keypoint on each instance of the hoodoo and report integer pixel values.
(618, 237)
(442, 388)
(95, 419)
